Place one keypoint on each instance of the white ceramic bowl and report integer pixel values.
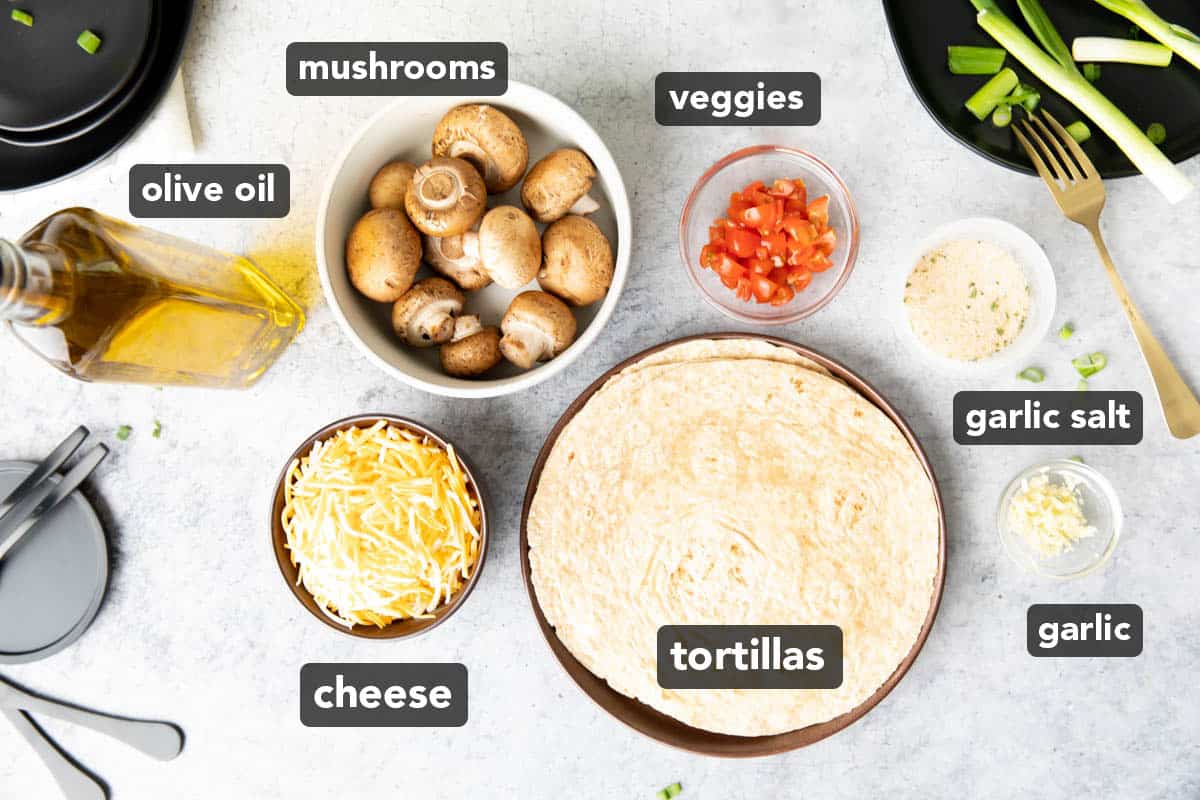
(404, 130)
(1038, 272)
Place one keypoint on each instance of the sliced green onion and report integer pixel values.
(1091, 72)
(157, 432)
(1156, 133)
(1079, 131)
(1066, 331)
(23, 17)
(674, 790)
(123, 432)
(661, 794)
(1076, 459)
(971, 60)
(1122, 51)
(89, 41)
(1072, 86)
(1025, 96)
(1176, 37)
(1032, 374)
(1002, 116)
(992, 93)
(1082, 386)
(1089, 365)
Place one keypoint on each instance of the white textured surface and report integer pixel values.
(199, 629)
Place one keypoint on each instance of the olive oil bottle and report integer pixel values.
(103, 300)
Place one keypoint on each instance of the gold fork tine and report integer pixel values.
(1085, 163)
(1060, 174)
(1038, 164)
(1062, 153)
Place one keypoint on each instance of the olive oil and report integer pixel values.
(103, 300)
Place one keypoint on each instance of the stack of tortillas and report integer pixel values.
(733, 482)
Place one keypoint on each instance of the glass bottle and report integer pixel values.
(103, 300)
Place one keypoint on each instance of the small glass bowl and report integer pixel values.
(709, 199)
(1100, 505)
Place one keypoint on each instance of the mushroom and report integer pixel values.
(457, 258)
(536, 327)
(390, 183)
(577, 261)
(509, 246)
(383, 253)
(558, 185)
(424, 316)
(487, 138)
(446, 197)
(472, 350)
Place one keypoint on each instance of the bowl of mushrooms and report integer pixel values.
(473, 247)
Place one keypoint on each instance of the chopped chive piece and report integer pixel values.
(972, 60)
(1079, 131)
(992, 93)
(1032, 374)
(1076, 459)
(1002, 116)
(1089, 365)
(157, 432)
(1156, 133)
(674, 790)
(23, 17)
(1091, 72)
(123, 432)
(1066, 331)
(89, 41)
(1082, 386)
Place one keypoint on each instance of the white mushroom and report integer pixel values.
(383, 254)
(558, 185)
(536, 327)
(509, 246)
(446, 197)
(424, 316)
(577, 261)
(457, 258)
(486, 137)
(473, 350)
(388, 187)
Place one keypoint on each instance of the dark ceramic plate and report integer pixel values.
(669, 730)
(25, 167)
(921, 30)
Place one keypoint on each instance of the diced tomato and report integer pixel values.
(819, 263)
(818, 211)
(763, 288)
(783, 295)
(826, 242)
(737, 209)
(776, 244)
(708, 256)
(763, 217)
(799, 279)
(728, 267)
(760, 266)
(782, 187)
(742, 243)
(753, 188)
(801, 232)
(743, 289)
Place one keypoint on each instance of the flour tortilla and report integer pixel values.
(725, 484)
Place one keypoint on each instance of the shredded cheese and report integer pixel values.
(380, 524)
(1049, 515)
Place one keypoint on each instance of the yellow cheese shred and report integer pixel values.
(380, 524)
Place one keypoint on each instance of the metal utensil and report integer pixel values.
(29, 508)
(76, 782)
(50, 464)
(1079, 191)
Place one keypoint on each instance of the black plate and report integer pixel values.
(26, 167)
(47, 79)
(94, 119)
(921, 30)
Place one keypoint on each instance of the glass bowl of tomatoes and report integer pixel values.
(769, 234)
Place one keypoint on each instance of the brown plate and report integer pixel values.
(669, 730)
(400, 629)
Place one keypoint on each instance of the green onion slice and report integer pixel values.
(1157, 133)
(1032, 374)
(972, 60)
(89, 41)
(1089, 365)
(1082, 386)
(1091, 72)
(1066, 331)
(23, 17)
(1079, 131)
(992, 93)
(123, 432)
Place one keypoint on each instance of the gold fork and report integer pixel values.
(1079, 192)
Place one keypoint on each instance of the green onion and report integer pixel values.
(123, 432)
(1076, 459)
(1079, 131)
(1082, 386)
(674, 790)
(992, 93)
(1066, 331)
(157, 432)
(1032, 374)
(1156, 133)
(23, 17)
(1089, 365)
(1176, 37)
(1047, 34)
(1002, 116)
(1123, 51)
(89, 41)
(1025, 96)
(1091, 72)
(971, 60)
(1074, 88)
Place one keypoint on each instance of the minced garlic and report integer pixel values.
(1049, 515)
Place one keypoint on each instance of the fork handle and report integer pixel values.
(1179, 405)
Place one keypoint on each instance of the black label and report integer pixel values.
(737, 98)
(1047, 417)
(1084, 631)
(383, 695)
(209, 191)
(397, 68)
(750, 657)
